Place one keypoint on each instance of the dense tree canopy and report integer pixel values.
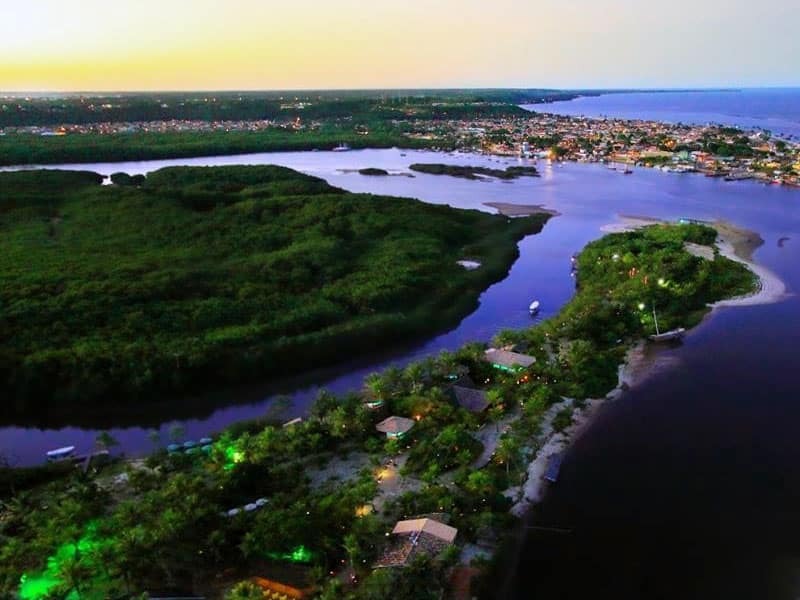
(219, 274)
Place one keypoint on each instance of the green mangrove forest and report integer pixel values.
(196, 277)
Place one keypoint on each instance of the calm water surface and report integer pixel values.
(777, 110)
(689, 485)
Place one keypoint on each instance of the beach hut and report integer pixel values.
(395, 427)
(506, 360)
(427, 526)
(416, 536)
(472, 399)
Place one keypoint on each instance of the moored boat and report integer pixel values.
(534, 307)
(674, 334)
(61, 453)
(667, 336)
(553, 467)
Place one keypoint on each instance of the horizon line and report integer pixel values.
(408, 89)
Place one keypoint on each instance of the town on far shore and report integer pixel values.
(496, 128)
(714, 150)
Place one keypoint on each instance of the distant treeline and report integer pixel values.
(231, 106)
(202, 276)
(87, 148)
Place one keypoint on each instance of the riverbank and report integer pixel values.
(521, 210)
(643, 359)
(637, 366)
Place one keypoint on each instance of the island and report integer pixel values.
(474, 172)
(401, 490)
(373, 171)
(191, 278)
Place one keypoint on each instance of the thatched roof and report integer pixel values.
(470, 398)
(508, 359)
(414, 536)
(427, 526)
(395, 425)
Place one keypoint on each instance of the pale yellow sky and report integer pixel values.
(249, 44)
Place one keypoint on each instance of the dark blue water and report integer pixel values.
(776, 110)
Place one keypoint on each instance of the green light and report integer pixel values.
(36, 587)
(232, 457)
(301, 554)
(33, 588)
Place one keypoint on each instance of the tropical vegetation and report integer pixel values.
(176, 518)
(191, 277)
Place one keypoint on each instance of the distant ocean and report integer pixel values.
(774, 109)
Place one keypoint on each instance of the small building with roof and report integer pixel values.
(471, 399)
(414, 536)
(395, 427)
(505, 360)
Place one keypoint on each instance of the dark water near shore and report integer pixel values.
(777, 109)
(687, 486)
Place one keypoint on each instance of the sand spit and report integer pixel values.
(521, 210)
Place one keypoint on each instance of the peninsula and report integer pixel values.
(433, 459)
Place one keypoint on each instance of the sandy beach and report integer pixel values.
(637, 366)
(733, 242)
(521, 210)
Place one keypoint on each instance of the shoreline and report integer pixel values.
(733, 242)
(642, 360)
(521, 210)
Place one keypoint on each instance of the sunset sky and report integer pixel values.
(247, 44)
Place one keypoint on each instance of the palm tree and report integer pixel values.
(105, 441)
(176, 432)
(507, 451)
(155, 437)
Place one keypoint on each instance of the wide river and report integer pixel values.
(688, 485)
(774, 109)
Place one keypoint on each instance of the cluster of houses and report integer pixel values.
(430, 534)
(427, 534)
(671, 147)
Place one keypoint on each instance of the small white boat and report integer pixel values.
(341, 148)
(534, 307)
(667, 336)
(60, 453)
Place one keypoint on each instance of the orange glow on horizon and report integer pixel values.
(315, 44)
